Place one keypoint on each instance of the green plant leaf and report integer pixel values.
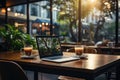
(14, 39)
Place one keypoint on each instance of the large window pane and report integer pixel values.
(97, 20)
(40, 18)
(34, 9)
(88, 21)
(17, 17)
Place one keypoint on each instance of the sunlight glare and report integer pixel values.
(92, 0)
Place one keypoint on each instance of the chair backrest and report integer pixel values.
(90, 49)
(87, 49)
(70, 50)
(11, 71)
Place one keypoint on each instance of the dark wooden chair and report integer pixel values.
(87, 49)
(70, 50)
(11, 71)
(90, 49)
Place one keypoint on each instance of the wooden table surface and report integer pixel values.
(89, 68)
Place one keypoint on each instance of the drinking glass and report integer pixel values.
(79, 49)
(27, 50)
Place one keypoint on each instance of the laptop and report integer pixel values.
(49, 48)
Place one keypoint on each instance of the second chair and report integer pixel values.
(11, 71)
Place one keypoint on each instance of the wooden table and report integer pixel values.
(89, 68)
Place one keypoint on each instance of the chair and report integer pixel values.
(70, 50)
(90, 49)
(11, 71)
(87, 49)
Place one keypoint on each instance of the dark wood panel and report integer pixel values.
(2, 3)
(16, 2)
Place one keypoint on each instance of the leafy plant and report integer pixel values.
(29, 40)
(14, 39)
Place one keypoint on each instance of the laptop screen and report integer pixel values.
(48, 46)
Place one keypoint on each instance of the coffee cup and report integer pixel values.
(27, 50)
(79, 49)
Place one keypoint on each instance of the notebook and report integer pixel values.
(49, 48)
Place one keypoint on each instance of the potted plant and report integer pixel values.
(14, 39)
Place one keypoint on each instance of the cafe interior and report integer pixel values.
(84, 32)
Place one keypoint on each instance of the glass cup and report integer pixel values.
(27, 50)
(79, 49)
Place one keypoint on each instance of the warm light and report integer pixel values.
(62, 13)
(22, 14)
(8, 9)
(16, 24)
(108, 5)
(46, 23)
(16, 14)
(92, 0)
(3, 10)
(40, 25)
(43, 23)
(90, 63)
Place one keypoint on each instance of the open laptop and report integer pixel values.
(49, 48)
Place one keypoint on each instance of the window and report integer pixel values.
(39, 18)
(97, 21)
(19, 9)
(17, 17)
(34, 10)
(88, 21)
